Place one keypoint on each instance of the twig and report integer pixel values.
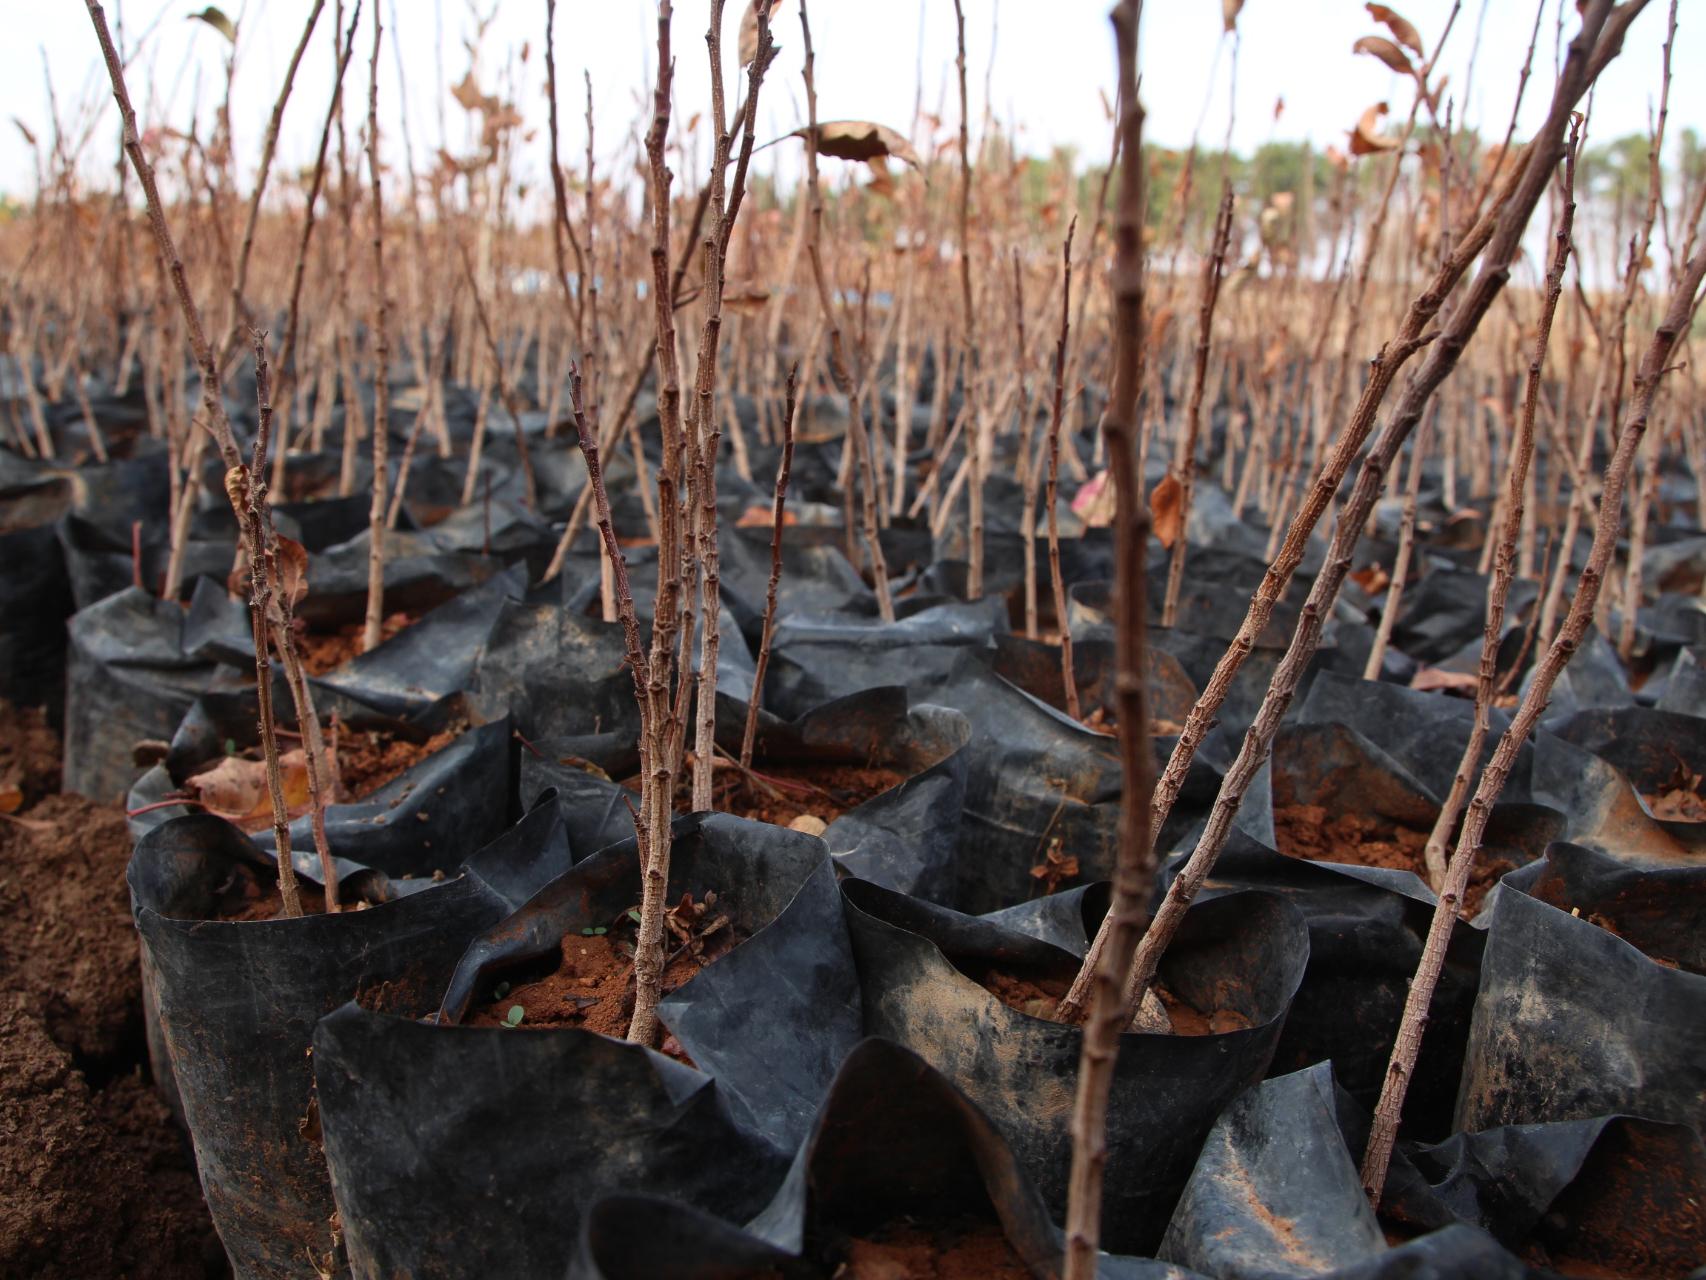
(750, 733)
(1134, 868)
(1678, 316)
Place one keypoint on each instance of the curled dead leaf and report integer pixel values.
(860, 140)
(1432, 679)
(1166, 510)
(1160, 320)
(1395, 22)
(745, 299)
(749, 30)
(292, 582)
(1389, 53)
(1366, 138)
(236, 788)
(215, 18)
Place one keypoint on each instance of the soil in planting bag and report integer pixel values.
(753, 868)
(473, 1149)
(1661, 753)
(1035, 667)
(1338, 798)
(418, 576)
(1422, 733)
(1231, 974)
(1275, 1192)
(1594, 678)
(100, 558)
(1036, 782)
(905, 836)
(1574, 1021)
(817, 579)
(773, 1019)
(431, 659)
(35, 601)
(423, 820)
(1598, 807)
(1366, 929)
(129, 679)
(1612, 1195)
(1447, 610)
(814, 660)
(237, 1001)
(1685, 684)
(32, 494)
(581, 771)
(506, 532)
(558, 672)
(1213, 600)
(901, 1175)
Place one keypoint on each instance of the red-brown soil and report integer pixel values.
(95, 1180)
(961, 1250)
(593, 985)
(321, 651)
(782, 793)
(29, 757)
(1103, 721)
(1039, 997)
(367, 760)
(1680, 804)
(1305, 831)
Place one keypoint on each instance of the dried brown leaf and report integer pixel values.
(1366, 138)
(1389, 53)
(860, 140)
(1432, 679)
(215, 17)
(468, 94)
(745, 299)
(749, 30)
(292, 582)
(1395, 22)
(1167, 510)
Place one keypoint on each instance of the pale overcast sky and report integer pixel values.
(1053, 60)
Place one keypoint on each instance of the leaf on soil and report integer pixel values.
(236, 788)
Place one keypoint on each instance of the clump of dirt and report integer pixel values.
(785, 794)
(1040, 997)
(1677, 805)
(29, 757)
(97, 1180)
(592, 986)
(251, 893)
(1103, 721)
(370, 758)
(1363, 840)
(321, 651)
(98, 1183)
(963, 1249)
(69, 947)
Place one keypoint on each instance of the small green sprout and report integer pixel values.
(513, 1018)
